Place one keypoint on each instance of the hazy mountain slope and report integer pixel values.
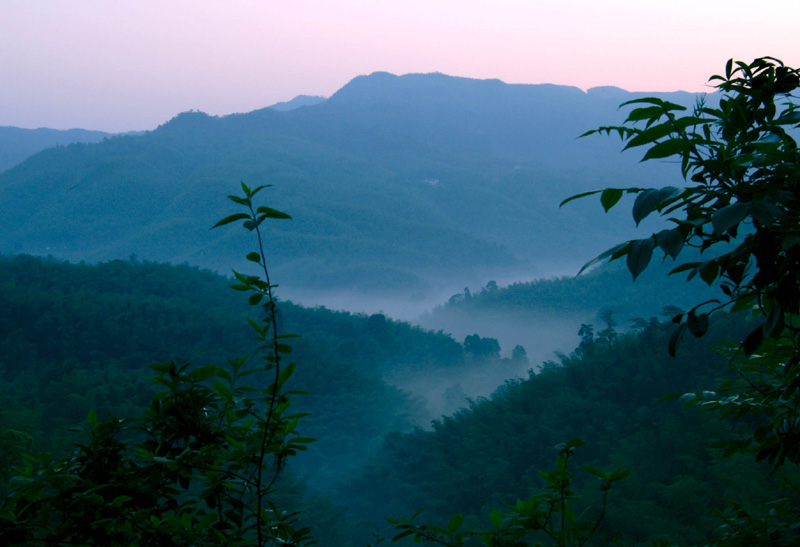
(16, 143)
(298, 102)
(604, 393)
(415, 183)
(545, 315)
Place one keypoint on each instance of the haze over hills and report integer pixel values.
(298, 102)
(17, 144)
(417, 184)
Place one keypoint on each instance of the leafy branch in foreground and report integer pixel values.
(197, 468)
(549, 515)
(741, 210)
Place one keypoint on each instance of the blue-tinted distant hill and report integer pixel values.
(298, 102)
(415, 183)
(16, 143)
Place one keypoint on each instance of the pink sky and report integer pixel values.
(119, 65)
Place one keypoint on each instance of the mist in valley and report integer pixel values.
(443, 391)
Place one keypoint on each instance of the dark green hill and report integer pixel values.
(77, 337)
(410, 183)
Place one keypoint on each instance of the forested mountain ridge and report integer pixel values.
(298, 102)
(410, 182)
(17, 144)
(543, 314)
(78, 337)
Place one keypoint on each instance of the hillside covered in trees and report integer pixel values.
(77, 337)
(417, 184)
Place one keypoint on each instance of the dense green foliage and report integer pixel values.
(547, 515)
(743, 164)
(741, 213)
(199, 465)
(605, 393)
(76, 337)
(469, 463)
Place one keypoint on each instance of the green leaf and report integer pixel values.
(644, 100)
(92, 418)
(240, 201)
(254, 191)
(285, 374)
(622, 248)
(666, 149)
(670, 241)
(240, 287)
(619, 473)
(646, 202)
(224, 374)
(202, 373)
(255, 298)
(729, 216)
(119, 500)
(269, 212)
(675, 339)
(668, 396)
(574, 443)
(579, 196)
(639, 256)
(645, 113)
(697, 324)
(403, 534)
(257, 327)
(303, 440)
(161, 367)
(650, 135)
(254, 257)
(753, 341)
(232, 218)
(789, 117)
(651, 200)
(496, 519)
(596, 472)
(455, 523)
(223, 390)
(744, 303)
(285, 348)
(684, 267)
(610, 197)
(709, 272)
(774, 323)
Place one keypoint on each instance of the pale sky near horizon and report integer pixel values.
(120, 65)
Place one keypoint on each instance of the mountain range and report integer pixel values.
(418, 184)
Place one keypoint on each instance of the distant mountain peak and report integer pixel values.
(438, 88)
(298, 102)
(188, 118)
